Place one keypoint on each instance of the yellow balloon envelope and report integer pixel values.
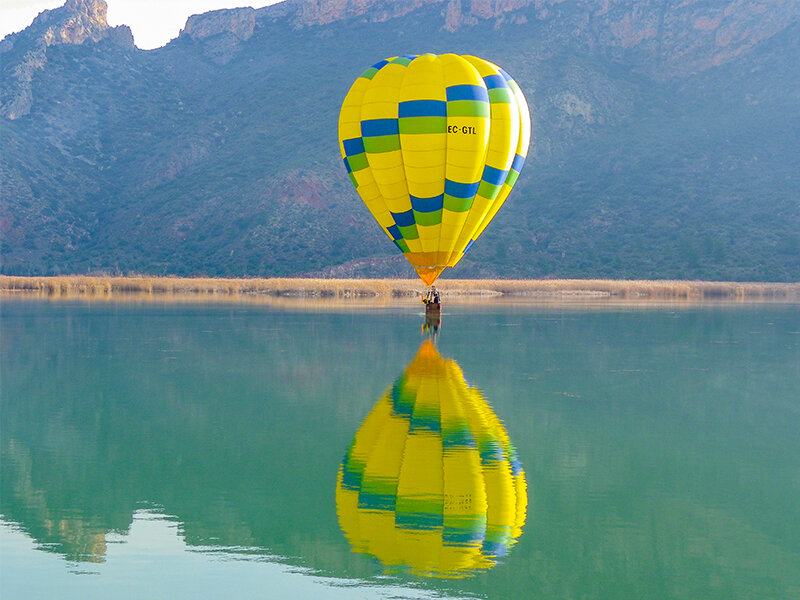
(433, 145)
(431, 482)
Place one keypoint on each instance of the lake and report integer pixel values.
(245, 451)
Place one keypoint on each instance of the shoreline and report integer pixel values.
(391, 291)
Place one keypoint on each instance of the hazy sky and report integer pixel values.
(153, 22)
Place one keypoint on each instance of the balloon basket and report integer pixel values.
(433, 308)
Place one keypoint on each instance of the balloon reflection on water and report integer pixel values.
(431, 482)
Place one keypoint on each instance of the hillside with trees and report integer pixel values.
(666, 140)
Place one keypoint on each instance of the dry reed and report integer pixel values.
(392, 290)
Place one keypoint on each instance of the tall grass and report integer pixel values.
(387, 290)
(190, 289)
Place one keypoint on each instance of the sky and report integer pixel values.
(153, 22)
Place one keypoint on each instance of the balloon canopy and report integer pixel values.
(431, 482)
(433, 145)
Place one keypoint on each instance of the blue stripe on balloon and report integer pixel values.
(458, 438)
(404, 219)
(394, 232)
(422, 108)
(495, 81)
(518, 162)
(490, 452)
(496, 549)
(351, 480)
(376, 501)
(418, 521)
(460, 190)
(377, 127)
(427, 205)
(425, 423)
(467, 92)
(454, 537)
(402, 399)
(494, 176)
(353, 146)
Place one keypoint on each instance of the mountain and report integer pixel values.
(666, 139)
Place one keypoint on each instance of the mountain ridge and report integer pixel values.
(216, 154)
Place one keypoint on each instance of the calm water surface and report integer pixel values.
(194, 451)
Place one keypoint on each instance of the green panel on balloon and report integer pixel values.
(409, 232)
(454, 204)
(431, 218)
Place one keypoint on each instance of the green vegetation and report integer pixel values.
(166, 162)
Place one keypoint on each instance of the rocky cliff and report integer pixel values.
(25, 52)
(681, 37)
(221, 32)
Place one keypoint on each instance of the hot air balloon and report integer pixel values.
(433, 145)
(431, 483)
